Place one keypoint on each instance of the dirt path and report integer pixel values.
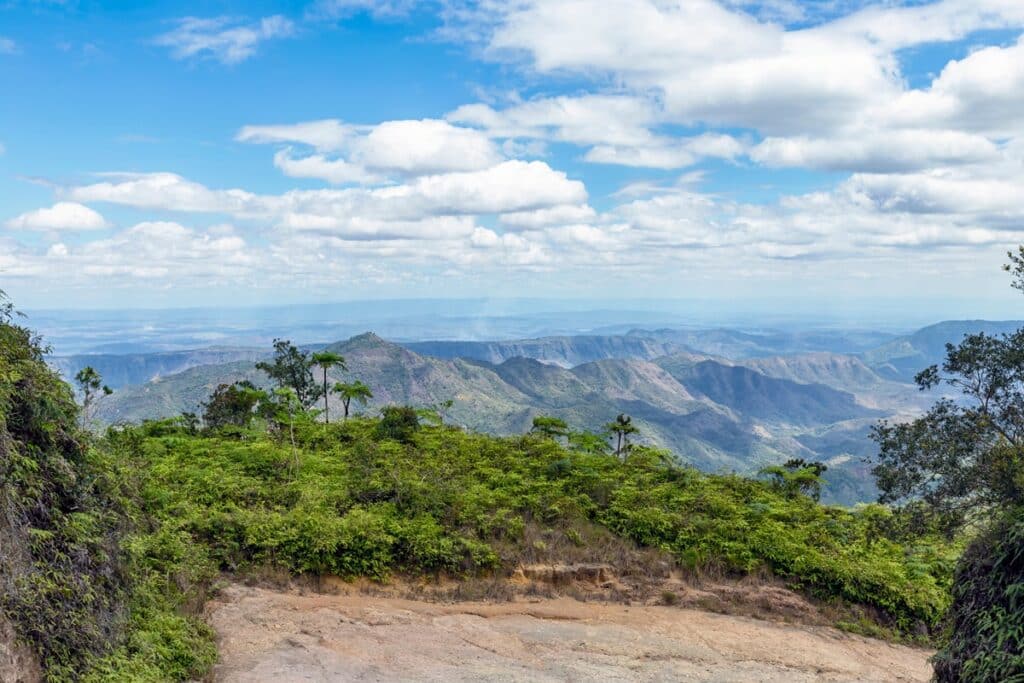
(283, 637)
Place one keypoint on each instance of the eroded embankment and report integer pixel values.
(281, 636)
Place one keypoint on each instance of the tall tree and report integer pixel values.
(797, 476)
(232, 404)
(327, 360)
(292, 369)
(90, 383)
(621, 428)
(551, 427)
(965, 458)
(352, 391)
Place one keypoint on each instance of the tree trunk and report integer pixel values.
(327, 414)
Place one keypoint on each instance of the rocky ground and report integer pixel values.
(283, 636)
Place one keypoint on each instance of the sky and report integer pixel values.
(827, 152)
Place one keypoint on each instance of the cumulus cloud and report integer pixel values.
(405, 148)
(222, 38)
(60, 216)
(511, 186)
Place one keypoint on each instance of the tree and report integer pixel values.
(327, 360)
(288, 408)
(352, 391)
(589, 442)
(797, 476)
(91, 385)
(190, 421)
(232, 404)
(551, 427)
(398, 423)
(964, 459)
(621, 428)
(292, 369)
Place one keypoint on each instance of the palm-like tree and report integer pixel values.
(349, 391)
(327, 360)
(622, 428)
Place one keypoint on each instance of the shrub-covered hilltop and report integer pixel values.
(111, 544)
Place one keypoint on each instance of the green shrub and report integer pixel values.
(986, 618)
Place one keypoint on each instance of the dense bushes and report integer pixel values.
(986, 618)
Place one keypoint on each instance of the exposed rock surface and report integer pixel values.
(284, 636)
(18, 664)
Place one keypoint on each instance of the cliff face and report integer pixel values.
(18, 664)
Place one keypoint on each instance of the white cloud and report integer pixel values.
(584, 120)
(558, 215)
(982, 92)
(425, 146)
(167, 191)
(327, 135)
(60, 216)
(8, 46)
(222, 38)
(334, 171)
(877, 150)
(511, 186)
(408, 148)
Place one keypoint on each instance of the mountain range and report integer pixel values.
(718, 399)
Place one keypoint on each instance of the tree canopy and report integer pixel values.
(291, 368)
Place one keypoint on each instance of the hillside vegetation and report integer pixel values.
(712, 414)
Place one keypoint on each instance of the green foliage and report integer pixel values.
(963, 458)
(986, 618)
(352, 391)
(797, 476)
(292, 369)
(61, 577)
(622, 428)
(364, 503)
(551, 427)
(84, 578)
(398, 423)
(232, 404)
(90, 383)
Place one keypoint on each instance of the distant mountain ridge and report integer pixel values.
(567, 351)
(903, 357)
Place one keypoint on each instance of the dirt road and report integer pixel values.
(280, 637)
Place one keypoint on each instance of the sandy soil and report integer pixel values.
(281, 637)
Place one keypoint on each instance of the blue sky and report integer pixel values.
(177, 154)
